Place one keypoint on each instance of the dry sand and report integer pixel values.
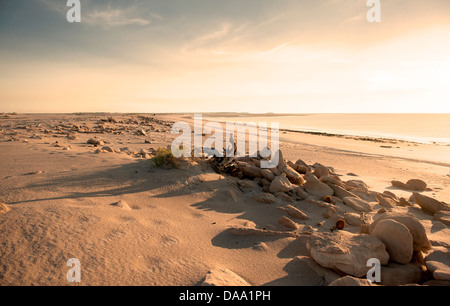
(171, 226)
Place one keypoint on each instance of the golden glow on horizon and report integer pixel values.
(216, 71)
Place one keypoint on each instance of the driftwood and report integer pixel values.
(245, 231)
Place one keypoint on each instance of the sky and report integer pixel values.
(283, 56)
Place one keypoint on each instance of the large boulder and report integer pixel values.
(346, 252)
(293, 175)
(316, 188)
(430, 205)
(418, 233)
(357, 204)
(397, 239)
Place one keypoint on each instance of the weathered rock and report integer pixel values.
(329, 212)
(252, 171)
(400, 185)
(331, 180)
(391, 195)
(316, 188)
(108, 149)
(288, 223)
(4, 208)
(416, 229)
(281, 184)
(438, 262)
(141, 132)
(267, 174)
(385, 201)
(442, 216)
(265, 198)
(416, 184)
(357, 219)
(346, 252)
(397, 238)
(300, 193)
(223, 277)
(340, 192)
(404, 202)
(293, 175)
(357, 204)
(96, 142)
(430, 205)
(284, 197)
(321, 170)
(394, 274)
(248, 185)
(348, 281)
(356, 184)
(294, 212)
(327, 275)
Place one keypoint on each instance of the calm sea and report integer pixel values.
(422, 128)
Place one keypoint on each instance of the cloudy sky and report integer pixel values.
(225, 55)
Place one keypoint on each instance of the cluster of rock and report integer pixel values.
(397, 239)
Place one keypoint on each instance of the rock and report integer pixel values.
(265, 198)
(434, 282)
(329, 212)
(357, 219)
(416, 229)
(394, 274)
(4, 208)
(331, 180)
(400, 185)
(281, 162)
(288, 223)
(284, 197)
(442, 216)
(294, 212)
(397, 238)
(430, 205)
(316, 188)
(404, 202)
(321, 170)
(385, 201)
(357, 204)
(96, 142)
(122, 204)
(391, 195)
(293, 175)
(351, 281)
(416, 184)
(252, 171)
(141, 132)
(300, 193)
(280, 184)
(340, 192)
(356, 184)
(346, 252)
(438, 262)
(267, 174)
(108, 149)
(223, 277)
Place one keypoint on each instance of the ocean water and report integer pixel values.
(421, 128)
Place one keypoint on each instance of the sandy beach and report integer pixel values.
(86, 186)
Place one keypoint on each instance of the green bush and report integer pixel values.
(164, 158)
